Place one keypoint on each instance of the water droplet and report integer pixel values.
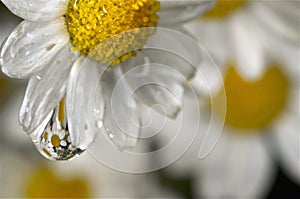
(99, 124)
(111, 135)
(39, 77)
(97, 111)
(54, 141)
(27, 109)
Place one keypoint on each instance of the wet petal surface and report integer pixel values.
(37, 10)
(84, 106)
(45, 89)
(121, 120)
(31, 47)
(178, 11)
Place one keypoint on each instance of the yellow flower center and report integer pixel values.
(47, 184)
(91, 22)
(224, 8)
(253, 105)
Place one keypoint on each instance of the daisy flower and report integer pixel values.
(65, 46)
(233, 29)
(256, 45)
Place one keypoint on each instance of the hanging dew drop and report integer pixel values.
(61, 150)
(54, 141)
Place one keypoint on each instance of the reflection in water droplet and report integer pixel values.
(54, 141)
(38, 77)
(111, 135)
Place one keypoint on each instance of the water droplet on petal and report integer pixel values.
(99, 124)
(54, 140)
(111, 135)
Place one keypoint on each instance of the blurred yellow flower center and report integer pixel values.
(224, 8)
(47, 184)
(91, 22)
(253, 105)
(55, 140)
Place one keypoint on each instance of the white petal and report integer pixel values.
(287, 133)
(84, 110)
(248, 52)
(45, 89)
(177, 139)
(288, 58)
(37, 10)
(169, 59)
(184, 50)
(290, 61)
(279, 18)
(214, 38)
(178, 11)
(293, 102)
(121, 115)
(286, 54)
(238, 167)
(208, 79)
(156, 83)
(31, 46)
(213, 35)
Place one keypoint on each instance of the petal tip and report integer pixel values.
(172, 112)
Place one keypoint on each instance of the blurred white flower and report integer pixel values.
(260, 124)
(45, 48)
(241, 163)
(256, 45)
(244, 30)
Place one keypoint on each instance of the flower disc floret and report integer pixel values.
(92, 22)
